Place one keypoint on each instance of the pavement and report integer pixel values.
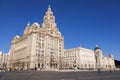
(60, 75)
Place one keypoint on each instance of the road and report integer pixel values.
(53, 75)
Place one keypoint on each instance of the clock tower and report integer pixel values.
(49, 17)
(54, 41)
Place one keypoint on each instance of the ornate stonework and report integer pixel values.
(83, 58)
(40, 47)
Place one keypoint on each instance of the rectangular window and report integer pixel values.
(38, 55)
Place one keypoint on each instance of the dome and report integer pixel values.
(35, 25)
(17, 36)
(97, 47)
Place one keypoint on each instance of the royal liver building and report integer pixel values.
(42, 47)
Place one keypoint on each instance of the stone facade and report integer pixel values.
(82, 58)
(103, 61)
(3, 60)
(40, 46)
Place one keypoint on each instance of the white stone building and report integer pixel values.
(3, 60)
(103, 61)
(40, 46)
(83, 58)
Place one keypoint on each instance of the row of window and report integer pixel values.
(82, 65)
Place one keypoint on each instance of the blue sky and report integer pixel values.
(83, 23)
